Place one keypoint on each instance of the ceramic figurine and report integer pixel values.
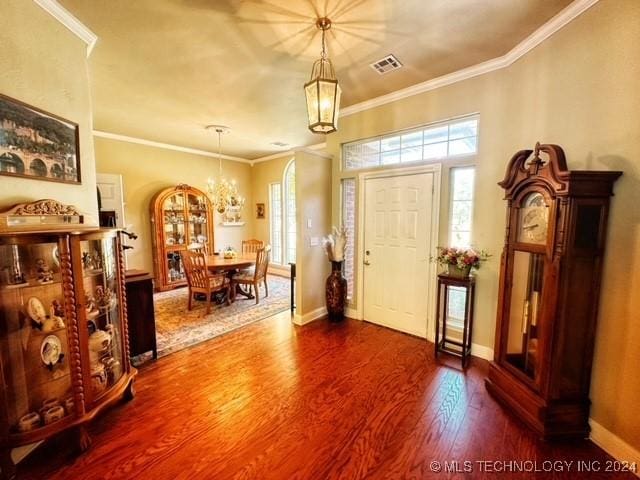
(56, 315)
(86, 260)
(44, 273)
(97, 261)
(90, 306)
(104, 298)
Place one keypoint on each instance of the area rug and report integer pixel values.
(178, 328)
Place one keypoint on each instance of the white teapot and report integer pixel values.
(99, 342)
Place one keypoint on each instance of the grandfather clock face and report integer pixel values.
(533, 221)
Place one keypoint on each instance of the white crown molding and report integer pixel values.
(166, 146)
(315, 153)
(316, 146)
(57, 11)
(556, 23)
(273, 156)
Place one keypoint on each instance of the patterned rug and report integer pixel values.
(178, 328)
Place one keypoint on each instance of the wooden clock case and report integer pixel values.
(544, 375)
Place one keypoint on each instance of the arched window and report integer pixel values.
(282, 217)
(290, 212)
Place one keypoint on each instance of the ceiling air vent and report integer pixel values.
(386, 64)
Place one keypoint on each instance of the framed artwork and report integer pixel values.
(37, 144)
(259, 210)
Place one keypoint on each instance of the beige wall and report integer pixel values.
(147, 170)
(313, 204)
(578, 89)
(45, 65)
(262, 175)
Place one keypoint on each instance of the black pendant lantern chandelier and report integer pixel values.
(322, 90)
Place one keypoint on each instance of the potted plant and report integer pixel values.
(336, 285)
(460, 261)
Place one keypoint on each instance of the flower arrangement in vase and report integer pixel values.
(460, 261)
(336, 285)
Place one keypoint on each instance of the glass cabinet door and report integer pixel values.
(102, 312)
(174, 220)
(175, 235)
(523, 327)
(34, 341)
(197, 211)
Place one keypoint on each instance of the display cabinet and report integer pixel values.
(181, 216)
(63, 325)
(549, 287)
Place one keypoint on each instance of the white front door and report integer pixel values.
(397, 236)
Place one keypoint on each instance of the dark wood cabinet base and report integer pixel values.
(548, 420)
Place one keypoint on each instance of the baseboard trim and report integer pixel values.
(481, 351)
(309, 316)
(613, 445)
(351, 313)
(279, 271)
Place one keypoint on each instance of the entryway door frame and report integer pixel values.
(436, 170)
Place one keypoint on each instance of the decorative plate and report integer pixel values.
(36, 310)
(51, 350)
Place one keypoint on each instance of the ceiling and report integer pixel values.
(163, 69)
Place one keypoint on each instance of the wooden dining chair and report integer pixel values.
(251, 246)
(256, 277)
(200, 280)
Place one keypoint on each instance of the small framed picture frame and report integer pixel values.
(36, 144)
(260, 211)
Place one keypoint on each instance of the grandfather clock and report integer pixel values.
(549, 287)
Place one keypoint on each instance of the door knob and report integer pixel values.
(366, 262)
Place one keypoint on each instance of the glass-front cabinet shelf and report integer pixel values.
(63, 333)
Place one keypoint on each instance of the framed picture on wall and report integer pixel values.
(259, 210)
(37, 144)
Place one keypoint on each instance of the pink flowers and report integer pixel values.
(461, 257)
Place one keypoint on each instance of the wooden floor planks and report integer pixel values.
(275, 401)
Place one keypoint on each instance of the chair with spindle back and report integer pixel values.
(201, 281)
(257, 276)
(251, 246)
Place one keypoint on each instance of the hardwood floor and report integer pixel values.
(274, 401)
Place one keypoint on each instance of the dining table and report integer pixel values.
(217, 263)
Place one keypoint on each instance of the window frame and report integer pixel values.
(286, 213)
(351, 279)
(452, 200)
(397, 136)
(273, 211)
(452, 320)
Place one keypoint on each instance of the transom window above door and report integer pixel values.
(437, 141)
